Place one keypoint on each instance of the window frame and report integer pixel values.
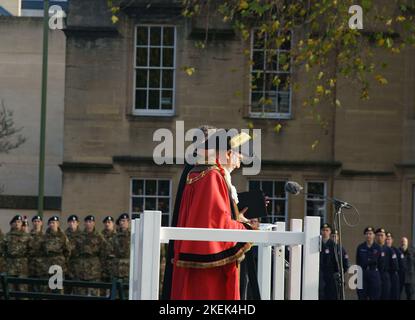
(268, 115)
(274, 198)
(324, 218)
(154, 112)
(131, 196)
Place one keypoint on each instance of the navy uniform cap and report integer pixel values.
(326, 225)
(53, 218)
(89, 218)
(73, 217)
(16, 218)
(37, 218)
(108, 218)
(368, 229)
(380, 230)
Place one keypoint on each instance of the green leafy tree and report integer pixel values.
(322, 44)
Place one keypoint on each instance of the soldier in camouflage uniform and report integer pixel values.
(108, 264)
(121, 249)
(16, 245)
(56, 247)
(2, 259)
(73, 232)
(92, 249)
(37, 265)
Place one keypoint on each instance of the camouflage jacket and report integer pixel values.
(92, 249)
(121, 251)
(16, 244)
(35, 244)
(73, 236)
(16, 248)
(108, 261)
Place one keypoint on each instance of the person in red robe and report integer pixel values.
(208, 270)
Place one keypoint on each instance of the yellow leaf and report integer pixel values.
(277, 128)
(381, 42)
(381, 79)
(314, 145)
(338, 104)
(275, 25)
(319, 89)
(400, 18)
(114, 19)
(332, 82)
(327, 92)
(320, 75)
(189, 70)
(245, 34)
(250, 125)
(307, 67)
(389, 22)
(243, 5)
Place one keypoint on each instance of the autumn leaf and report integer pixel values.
(250, 125)
(278, 128)
(189, 70)
(400, 18)
(243, 5)
(314, 145)
(381, 79)
(338, 104)
(319, 90)
(114, 19)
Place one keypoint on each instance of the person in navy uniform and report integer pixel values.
(368, 256)
(330, 266)
(386, 258)
(345, 256)
(396, 264)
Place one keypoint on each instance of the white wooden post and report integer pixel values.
(294, 280)
(279, 267)
(311, 258)
(149, 246)
(264, 271)
(134, 260)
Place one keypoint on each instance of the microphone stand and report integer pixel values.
(338, 206)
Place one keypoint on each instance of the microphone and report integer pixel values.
(293, 187)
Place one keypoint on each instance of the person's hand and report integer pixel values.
(241, 216)
(254, 223)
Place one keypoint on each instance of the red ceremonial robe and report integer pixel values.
(206, 270)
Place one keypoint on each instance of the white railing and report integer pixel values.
(147, 234)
